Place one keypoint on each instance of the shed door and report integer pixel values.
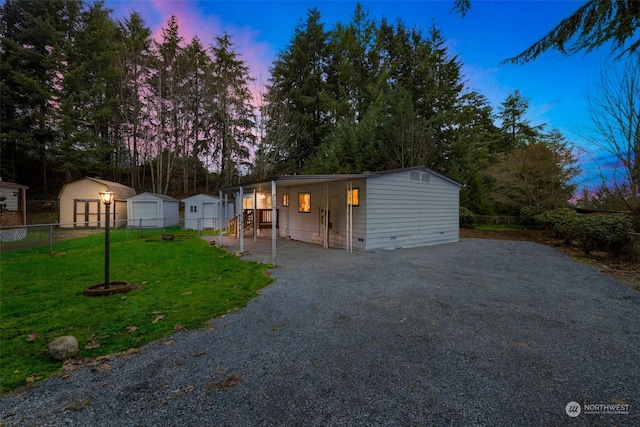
(145, 214)
(209, 212)
(86, 213)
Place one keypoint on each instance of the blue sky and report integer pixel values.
(492, 31)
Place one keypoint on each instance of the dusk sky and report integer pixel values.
(492, 31)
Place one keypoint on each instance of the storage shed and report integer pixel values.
(80, 205)
(150, 210)
(385, 210)
(206, 212)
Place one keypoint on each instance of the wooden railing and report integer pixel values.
(263, 220)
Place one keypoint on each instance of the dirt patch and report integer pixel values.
(627, 272)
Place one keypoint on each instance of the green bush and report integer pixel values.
(608, 233)
(467, 218)
(528, 215)
(561, 221)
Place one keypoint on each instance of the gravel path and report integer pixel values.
(479, 332)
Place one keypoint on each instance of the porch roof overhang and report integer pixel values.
(287, 181)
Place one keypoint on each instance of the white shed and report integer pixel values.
(202, 211)
(150, 210)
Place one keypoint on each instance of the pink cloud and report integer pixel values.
(193, 20)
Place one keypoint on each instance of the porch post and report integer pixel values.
(286, 229)
(273, 222)
(350, 217)
(241, 222)
(225, 211)
(325, 240)
(255, 215)
(23, 205)
(220, 216)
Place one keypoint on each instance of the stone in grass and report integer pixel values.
(63, 348)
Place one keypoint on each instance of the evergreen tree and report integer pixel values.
(91, 120)
(596, 23)
(164, 103)
(197, 108)
(234, 119)
(516, 129)
(351, 55)
(298, 79)
(408, 139)
(470, 152)
(33, 35)
(134, 63)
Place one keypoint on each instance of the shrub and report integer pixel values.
(561, 221)
(528, 215)
(608, 233)
(467, 218)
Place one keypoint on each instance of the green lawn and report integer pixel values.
(183, 284)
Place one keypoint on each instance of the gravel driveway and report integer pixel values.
(479, 332)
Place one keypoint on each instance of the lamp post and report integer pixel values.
(107, 198)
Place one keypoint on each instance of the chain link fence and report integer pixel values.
(38, 235)
(47, 236)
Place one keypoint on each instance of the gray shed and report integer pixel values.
(206, 212)
(150, 210)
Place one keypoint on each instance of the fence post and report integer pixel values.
(50, 239)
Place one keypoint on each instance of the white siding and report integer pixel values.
(11, 198)
(308, 227)
(406, 212)
(148, 210)
(170, 213)
(203, 211)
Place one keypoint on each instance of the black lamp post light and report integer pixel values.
(107, 287)
(107, 198)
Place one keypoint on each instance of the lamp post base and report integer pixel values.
(100, 290)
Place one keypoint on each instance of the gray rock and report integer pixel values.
(63, 348)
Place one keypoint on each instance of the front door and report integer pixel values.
(335, 217)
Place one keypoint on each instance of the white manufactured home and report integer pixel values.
(385, 210)
(206, 212)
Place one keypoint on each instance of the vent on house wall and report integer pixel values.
(420, 177)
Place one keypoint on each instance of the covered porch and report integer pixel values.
(307, 208)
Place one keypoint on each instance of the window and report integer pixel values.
(247, 203)
(304, 202)
(353, 197)
(193, 208)
(285, 200)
